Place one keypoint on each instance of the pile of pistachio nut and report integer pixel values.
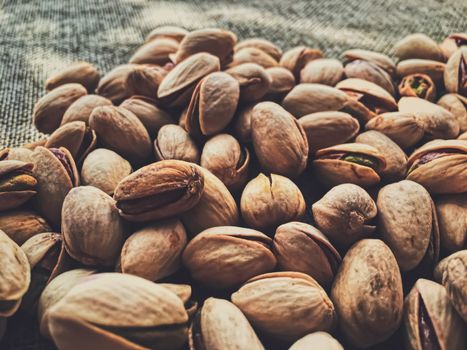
(163, 210)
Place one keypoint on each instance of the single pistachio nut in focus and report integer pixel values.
(174, 142)
(418, 85)
(317, 340)
(455, 73)
(17, 183)
(171, 32)
(452, 220)
(81, 109)
(418, 45)
(298, 57)
(457, 105)
(327, 71)
(20, 225)
(381, 60)
(265, 45)
(253, 79)
(155, 52)
(113, 84)
(282, 81)
(367, 70)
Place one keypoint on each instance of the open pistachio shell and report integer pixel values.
(377, 58)
(452, 217)
(452, 43)
(455, 73)
(434, 69)
(17, 183)
(317, 340)
(298, 57)
(418, 85)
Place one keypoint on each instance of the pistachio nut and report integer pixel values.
(226, 158)
(327, 71)
(455, 73)
(325, 129)
(82, 72)
(406, 221)
(159, 190)
(452, 219)
(81, 109)
(226, 256)
(49, 110)
(253, 55)
(418, 85)
(20, 225)
(345, 214)
(367, 293)
(145, 80)
(303, 248)
(121, 131)
(93, 232)
(155, 51)
(282, 81)
(457, 105)
(418, 45)
(173, 142)
(356, 163)
(279, 141)
(15, 275)
(56, 174)
(242, 123)
(447, 157)
(171, 32)
(220, 325)
(104, 169)
(430, 321)
(76, 137)
(452, 43)
(269, 201)
(298, 57)
(214, 41)
(17, 184)
(381, 60)
(254, 81)
(286, 305)
(434, 69)
(396, 159)
(104, 312)
(16, 153)
(213, 104)
(367, 70)
(265, 45)
(317, 340)
(113, 84)
(176, 88)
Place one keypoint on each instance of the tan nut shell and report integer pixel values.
(297, 58)
(380, 59)
(13, 198)
(81, 109)
(418, 45)
(282, 81)
(452, 218)
(155, 51)
(254, 81)
(113, 84)
(327, 71)
(455, 73)
(253, 55)
(242, 123)
(172, 32)
(265, 45)
(83, 73)
(434, 69)
(20, 225)
(173, 142)
(317, 340)
(457, 105)
(372, 72)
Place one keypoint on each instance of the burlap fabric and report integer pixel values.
(40, 37)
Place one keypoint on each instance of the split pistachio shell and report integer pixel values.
(367, 70)
(286, 305)
(15, 275)
(344, 214)
(279, 140)
(282, 81)
(452, 43)
(83, 73)
(17, 183)
(173, 142)
(155, 51)
(226, 256)
(20, 225)
(434, 69)
(377, 58)
(253, 55)
(269, 201)
(418, 85)
(418, 46)
(264, 45)
(327, 71)
(447, 157)
(104, 169)
(430, 320)
(154, 251)
(455, 73)
(317, 340)
(105, 311)
(254, 81)
(172, 32)
(81, 109)
(367, 293)
(452, 217)
(457, 105)
(113, 84)
(298, 57)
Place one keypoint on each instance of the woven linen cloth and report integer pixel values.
(38, 38)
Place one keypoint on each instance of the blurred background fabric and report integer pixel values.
(38, 38)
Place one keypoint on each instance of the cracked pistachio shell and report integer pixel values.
(242, 123)
(452, 218)
(253, 79)
(155, 51)
(121, 131)
(18, 183)
(56, 174)
(171, 32)
(160, 190)
(447, 157)
(298, 57)
(113, 84)
(325, 129)
(317, 340)
(104, 169)
(253, 55)
(303, 248)
(83, 73)
(434, 69)
(282, 81)
(49, 110)
(20, 225)
(396, 159)
(265, 45)
(15, 275)
(344, 214)
(76, 137)
(457, 105)
(154, 252)
(327, 71)
(452, 43)
(367, 70)
(435, 120)
(220, 325)
(144, 80)
(104, 312)
(213, 104)
(381, 60)
(430, 321)
(174, 142)
(418, 85)
(81, 109)
(279, 141)
(455, 73)
(226, 256)
(93, 232)
(269, 201)
(217, 42)
(286, 305)
(367, 293)
(226, 158)
(418, 45)
(176, 88)
(405, 219)
(334, 171)
(405, 129)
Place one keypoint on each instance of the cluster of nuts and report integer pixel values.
(161, 212)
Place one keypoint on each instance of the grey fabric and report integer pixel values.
(38, 38)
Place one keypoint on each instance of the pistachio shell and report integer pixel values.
(172, 32)
(298, 57)
(113, 84)
(144, 80)
(16, 153)
(254, 81)
(433, 69)
(452, 43)
(242, 123)
(418, 46)
(377, 58)
(418, 85)
(317, 340)
(253, 55)
(282, 81)
(372, 72)
(173, 142)
(452, 217)
(20, 225)
(81, 109)
(327, 71)
(455, 73)
(155, 51)
(83, 73)
(17, 183)
(262, 44)
(456, 104)
(39, 246)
